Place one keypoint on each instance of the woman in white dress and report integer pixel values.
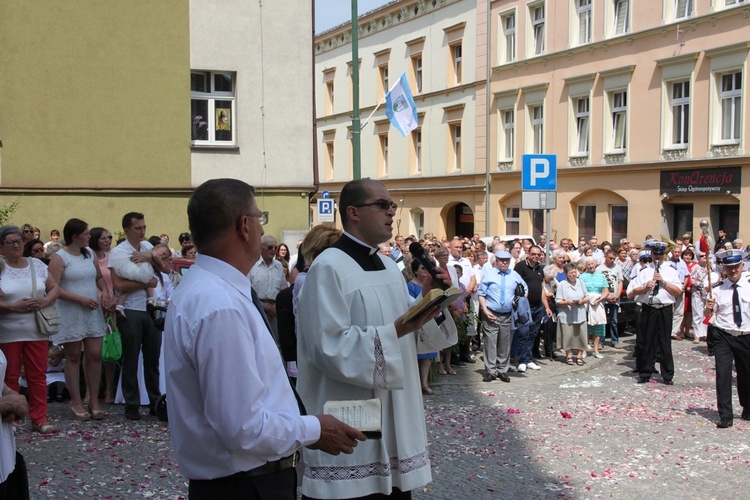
(82, 324)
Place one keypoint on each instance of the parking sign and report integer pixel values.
(325, 210)
(539, 173)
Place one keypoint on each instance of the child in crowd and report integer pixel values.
(55, 375)
(142, 272)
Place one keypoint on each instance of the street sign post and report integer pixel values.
(325, 210)
(539, 187)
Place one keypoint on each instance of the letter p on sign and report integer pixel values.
(539, 173)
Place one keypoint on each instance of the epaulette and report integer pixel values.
(718, 283)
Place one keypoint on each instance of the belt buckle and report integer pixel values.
(295, 459)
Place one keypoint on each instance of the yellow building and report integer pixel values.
(97, 110)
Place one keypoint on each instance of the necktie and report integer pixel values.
(736, 311)
(259, 306)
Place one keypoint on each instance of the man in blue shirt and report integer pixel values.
(496, 294)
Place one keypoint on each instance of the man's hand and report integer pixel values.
(430, 282)
(336, 436)
(415, 323)
(141, 257)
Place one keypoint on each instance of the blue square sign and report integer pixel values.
(539, 173)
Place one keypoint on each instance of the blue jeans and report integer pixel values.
(523, 338)
(612, 321)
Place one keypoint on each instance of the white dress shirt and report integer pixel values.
(268, 279)
(723, 294)
(231, 406)
(136, 300)
(668, 274)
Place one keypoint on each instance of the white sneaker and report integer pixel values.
(534, 366)
(522, 367)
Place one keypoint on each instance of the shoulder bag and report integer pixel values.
(47, 318)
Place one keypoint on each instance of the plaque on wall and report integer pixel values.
(725, 180)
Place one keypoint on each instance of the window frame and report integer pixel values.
(536, 123)
(584, 16)
(509, 39)
(211, 97)
(688, 10)
(512, 219)
(508, 136)
(616, 112)
(679, 107)
(455, 134)
(582, 118)
(735, 96)
(538, 28)
(616, 13)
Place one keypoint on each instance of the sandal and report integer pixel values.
(44, 428)
(569, 360)
(82, 416)
(580, 361)
(96, 414)
(451, 372)
(427, 391)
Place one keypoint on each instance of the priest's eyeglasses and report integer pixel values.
(262, 217)
(381, 204)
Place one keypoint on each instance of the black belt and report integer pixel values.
(498, 313)
(268, 301)
(270, 467)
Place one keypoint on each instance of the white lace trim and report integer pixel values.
(12, 273)
(379, 469)
(378, 375)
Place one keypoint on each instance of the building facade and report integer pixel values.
(643, 105)
(432, 173)
(97, 109)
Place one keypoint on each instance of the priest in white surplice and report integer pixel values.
(352, 344)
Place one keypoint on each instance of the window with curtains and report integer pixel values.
(212, 108)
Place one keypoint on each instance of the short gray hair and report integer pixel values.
(6, 231)
(550, 271)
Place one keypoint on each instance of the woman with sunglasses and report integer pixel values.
(20, 338)
(34, 248)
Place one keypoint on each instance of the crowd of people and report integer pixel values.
(334, 310)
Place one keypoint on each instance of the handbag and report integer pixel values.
(112, 343)
(47, 318)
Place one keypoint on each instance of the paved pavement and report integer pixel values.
(561, 432)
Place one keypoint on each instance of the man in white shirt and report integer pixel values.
(269, 279)
(234, 418)
(137, 329)
(655, 287)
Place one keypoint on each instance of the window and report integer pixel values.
(416, 64)
(584, 21)
(511, 220)
(212, 98)
(582, 126)
(508, 134)
(621, 17)
(730, 98)
(384, 86)
(537, 224)
(415, 152)
(383, 166)
(619, 121)
(457, 59)
(537, 25)
(329, 97)
(329, 162)
(619, 217)
(679, 104)
(509, 38)
(455, 137)
(587, 221)
(734, 2)
(683, 9)
(537, 128)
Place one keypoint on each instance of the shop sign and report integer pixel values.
(725, 180)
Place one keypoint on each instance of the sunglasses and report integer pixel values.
(271, 247)
(28, 231)
(381, 204)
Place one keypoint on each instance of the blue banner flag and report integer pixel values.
(400, 108)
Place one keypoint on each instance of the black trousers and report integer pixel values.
(396, 494)
(139, 334)
(728, 348)
(655, 335)
(280, 485)
(16, 485)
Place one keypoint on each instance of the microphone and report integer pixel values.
(418, 252)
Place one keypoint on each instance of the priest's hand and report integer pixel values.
(336, 436)
(417, 322)
(430, 282)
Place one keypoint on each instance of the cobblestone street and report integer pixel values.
(561, 432)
